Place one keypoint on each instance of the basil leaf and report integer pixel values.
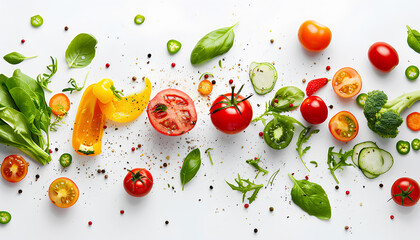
(190, 166)
(81, 51)
(15, 58)
(213, 44)
(311, 198)
(413, 39)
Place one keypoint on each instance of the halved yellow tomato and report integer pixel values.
(128, 108)
(347, 82)
(344, 126)
(63, 192)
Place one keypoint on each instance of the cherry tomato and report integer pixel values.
(172, 112)
(205, 87)
(226, 118)
(138, 182)
(344, 126)
(14, 168)
(63, 192)
(405, 191)
(314, 110)
(383, 56)
(347, 82)
(314, 36)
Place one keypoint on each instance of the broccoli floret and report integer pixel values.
(383, 116)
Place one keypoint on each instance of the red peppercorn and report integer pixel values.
(246, 205)
(306, 177)
(291, 105)
(392, 217)
(50, 151)
(347, 192)
(230, 81)
(133, 149)
(90, 223)
(107, 65)
(122, 211)
(173, 65)
(22, 41)
(206, 76)
(105, 127)
(261, 134)
(293, 173)
(255, 158)
(328, 68)
(276, 100)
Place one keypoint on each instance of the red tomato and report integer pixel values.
(314, 36)
(172, 112)
(347, 82)
(63, 192)
(229, 120)
(314, 110)
(14, 168)
(383, 56)
(138, 182)
(344, 126)
(408, 195)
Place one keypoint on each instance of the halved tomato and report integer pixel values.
(63, 192)
(344, 126)
(14, 168)
(172, 112)
(347, 82)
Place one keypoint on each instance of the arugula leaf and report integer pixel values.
(311, 198)
(337, 160)
(304, 136)
(75, 86)
(251, 186)
(254, 162)
(44, 79)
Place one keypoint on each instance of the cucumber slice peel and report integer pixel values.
(263, 77)
(358, 147)
(371, 160)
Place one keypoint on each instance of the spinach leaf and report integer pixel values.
(413, 39)
(304, 136)
(311, 198)
(5, 98)
(251, 186)
(190, 166)
(15, 131)
(81, 51)
(337, 160)
(213, 44)
(15, 58)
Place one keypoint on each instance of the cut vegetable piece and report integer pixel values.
(361, 99)
(358, 147)
(388, 162)
(369, 175)
(371, 160)
(263, 77)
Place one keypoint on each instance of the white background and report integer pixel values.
(198, 212)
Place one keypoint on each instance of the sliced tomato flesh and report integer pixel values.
(344, 126)
(14, 168)
(347, 82)
(63, 192)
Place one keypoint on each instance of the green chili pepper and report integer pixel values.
(65, 160)
(37, 21)
(403, 147)
(139, 19)
(412, 73)
(5, 217)
(415, 144)
(361, 99)
(173, 46)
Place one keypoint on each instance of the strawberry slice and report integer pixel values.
(315, 85)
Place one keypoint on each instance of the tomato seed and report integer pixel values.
(22, 41)
(261, 134)
(392, 217)
(328, 68)
(246, 205)
(107, 65)
(347, 192)
(173, 65)
(90, 223)
(230, 81)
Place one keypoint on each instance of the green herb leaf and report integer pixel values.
(220, 63)
(251, 186)
(161, 108)
(254, 163)
(44, 79)
(81, 51)
(413, 39)
(213, 44)
(86, 152)
(190, 166)
(337, 160)
(15, 58)
(208, 153)
(75, 86)
(272, 178)
(304, 136)
(311, 198)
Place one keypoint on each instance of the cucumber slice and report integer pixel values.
(263, 77)
(388, 162)
(358, 147)
(369, 175)
(371, 160)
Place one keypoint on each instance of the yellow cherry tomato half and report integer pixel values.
(205, 87)
(347, 82)
(63, 192)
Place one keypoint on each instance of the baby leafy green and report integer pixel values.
(15, 58)
(303, 138)
(81, 51)
(254, 162)
(251, 186)
(413, 39)
(44, 79)
(213, 44)
(190, 166)
(311, 198)
(337, 160)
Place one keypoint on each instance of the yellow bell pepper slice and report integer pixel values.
(89, 125)
(128, 108)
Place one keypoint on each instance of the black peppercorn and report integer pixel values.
(149, 55)
(211, 187)
(166, 222)
(255, 230)
(337, 187)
